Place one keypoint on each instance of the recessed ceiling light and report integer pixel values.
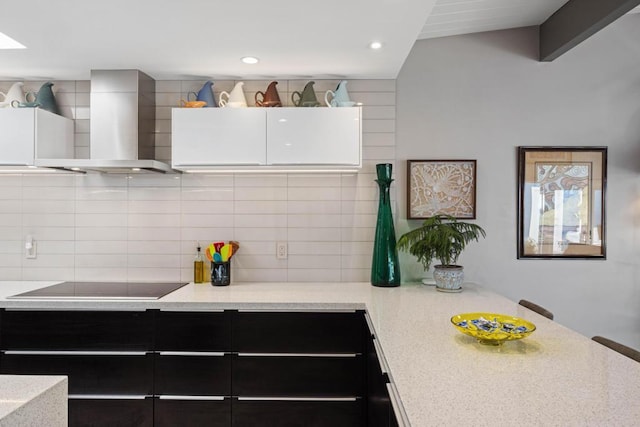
(249, 59)
(7, 42)
(375, 45)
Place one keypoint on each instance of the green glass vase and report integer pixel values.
(385, 268)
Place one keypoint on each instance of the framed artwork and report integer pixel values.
(436, 187)
(561, 202)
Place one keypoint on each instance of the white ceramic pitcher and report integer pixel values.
(15, 93)
(235, 99)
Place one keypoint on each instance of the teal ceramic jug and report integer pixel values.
(46, 100)
(206, 94)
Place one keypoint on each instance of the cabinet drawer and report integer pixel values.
(297, 376)
(193, 331)
(193, 375)
(298, 332)
(88, 374)
(186, 412)
(76, 330)
(111, 412)
(297, 413)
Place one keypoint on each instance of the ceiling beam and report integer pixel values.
(576, 21)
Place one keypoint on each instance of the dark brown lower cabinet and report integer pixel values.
(192, 412)
(232, 369)
(88, 412)
(296, 413)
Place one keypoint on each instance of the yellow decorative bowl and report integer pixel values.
(492, 328)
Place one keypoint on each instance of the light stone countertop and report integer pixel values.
(33, 400)
(554, 377)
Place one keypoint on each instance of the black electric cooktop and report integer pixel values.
(102, 290)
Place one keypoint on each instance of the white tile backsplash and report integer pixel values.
(112, 227)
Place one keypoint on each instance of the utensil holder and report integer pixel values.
(220, 273)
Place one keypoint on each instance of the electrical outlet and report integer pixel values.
(281, 250)
(30, 248)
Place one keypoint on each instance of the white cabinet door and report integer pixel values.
(17, 143)
(218, 136)
(314, 136)
(28, 134)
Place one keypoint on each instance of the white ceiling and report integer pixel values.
(190, 39)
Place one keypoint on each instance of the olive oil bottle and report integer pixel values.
(198, 267)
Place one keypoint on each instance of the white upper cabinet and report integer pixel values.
(28, 134)
(284, 139)
(313, 136)
(218, 136)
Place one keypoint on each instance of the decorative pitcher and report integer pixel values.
(15, 93)
(270, 97)
(385, 267)
(339, 97)
(235, 99)
(205, 94)
(46, 100)
(307, 98)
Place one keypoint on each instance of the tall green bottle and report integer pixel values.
(385, 268)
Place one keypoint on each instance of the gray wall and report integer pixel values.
(480, 96)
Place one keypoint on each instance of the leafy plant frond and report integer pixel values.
(440, 237)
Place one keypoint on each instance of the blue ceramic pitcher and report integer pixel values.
(206, 94)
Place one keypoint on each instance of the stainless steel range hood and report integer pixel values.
(123, 115)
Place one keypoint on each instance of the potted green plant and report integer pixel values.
(441, 237)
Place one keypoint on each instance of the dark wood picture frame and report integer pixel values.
(561, 202)
(437, 187)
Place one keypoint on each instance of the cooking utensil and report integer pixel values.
(217, 257)
(224, 252)
(207, 252)
(218, 245)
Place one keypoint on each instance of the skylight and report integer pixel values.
(7, 42)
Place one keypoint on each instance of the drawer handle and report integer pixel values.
(179, 397)
(304, 399)
(75, 353)
(192, 353)
(297, 354)
(109, 396)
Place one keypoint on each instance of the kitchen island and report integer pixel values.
(439, 377)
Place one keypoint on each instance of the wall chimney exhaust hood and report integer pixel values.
(123, 115)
